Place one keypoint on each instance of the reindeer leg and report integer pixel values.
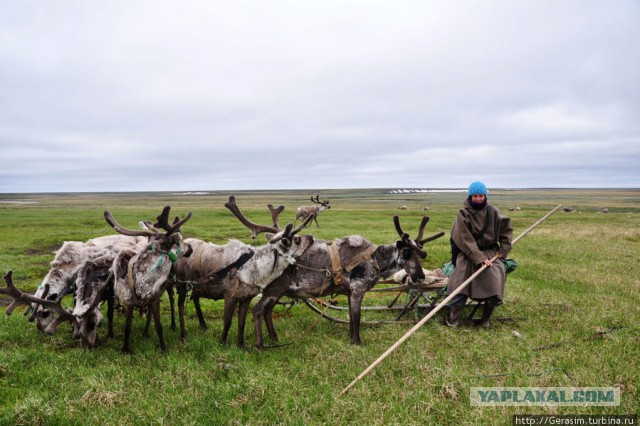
(196, 304)
(243, 308)
(258, 315)
(229, 309)
(172, 303)
(182, 296)
(268, 320)
(147, 325)
(110, 309)
(155, 309)
(128, 313)
(355, 303)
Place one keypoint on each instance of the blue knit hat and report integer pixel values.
(477, 187)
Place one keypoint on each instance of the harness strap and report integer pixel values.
(130, 274)
(130, 282)
(363, 256)
(336, 266)
(237, 264)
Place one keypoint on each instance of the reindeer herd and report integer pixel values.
(136, 267)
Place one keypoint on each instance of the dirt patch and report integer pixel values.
(39, 251)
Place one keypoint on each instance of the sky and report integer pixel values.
(318, 94)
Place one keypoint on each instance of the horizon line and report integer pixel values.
(390, 189)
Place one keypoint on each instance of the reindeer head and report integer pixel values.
(93, 276)
(163, 242)
(321, 204)
(153, 262)
(285, 242)
(60, 281)
(62, 278)
(62, 314)
(289, 245)
(410, 252)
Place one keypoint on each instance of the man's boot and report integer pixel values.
(489, 306)
(453, 319)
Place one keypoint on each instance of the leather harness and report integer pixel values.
(338, 270)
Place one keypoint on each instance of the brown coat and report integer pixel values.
(480, 234)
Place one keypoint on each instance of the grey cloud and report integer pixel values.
(227, 95)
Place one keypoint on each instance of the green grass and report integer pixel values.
(575, 294)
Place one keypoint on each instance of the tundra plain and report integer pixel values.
(574, 303)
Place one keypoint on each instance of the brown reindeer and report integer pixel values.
(305, 212)
(236, 272)
(351, 265)
(141, 276)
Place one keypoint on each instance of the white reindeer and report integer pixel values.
(236, 272)
(69, 271)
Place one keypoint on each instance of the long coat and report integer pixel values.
(480, 234)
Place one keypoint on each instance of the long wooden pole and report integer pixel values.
(441, 305)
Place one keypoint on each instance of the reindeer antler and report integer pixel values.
(124, 231)
(324, 203)
(431, 238)
(407, 240)
(254, 227)
(20, 297)
(275, 212)
(301, 226)
(288, 231)
(418, 243)
(163, 221)
(31, 309)
(149, 229)
(423, 223)
(13, 292)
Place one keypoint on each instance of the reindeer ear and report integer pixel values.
(269, 235)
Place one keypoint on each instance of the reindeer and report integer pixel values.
(304, 212)
(63, 276)
(84, 320)
(141, 275)
(351, 265)
(236, 272)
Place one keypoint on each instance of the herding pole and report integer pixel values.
(443, 303)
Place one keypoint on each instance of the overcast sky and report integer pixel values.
(205, 95)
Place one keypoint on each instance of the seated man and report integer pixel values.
(479, 232)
